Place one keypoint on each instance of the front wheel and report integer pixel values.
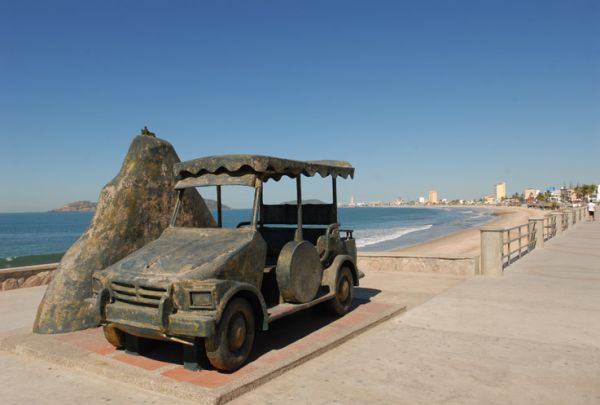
(229, 348)
(344, 291)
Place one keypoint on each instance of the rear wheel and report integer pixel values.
(115, 337)
(229, 348)
(344, 292)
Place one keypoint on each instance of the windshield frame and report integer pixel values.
(257, 185)
(218, 180)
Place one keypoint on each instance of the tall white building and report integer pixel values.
(433, 197)
(500, 191)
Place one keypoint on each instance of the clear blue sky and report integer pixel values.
(419, 95)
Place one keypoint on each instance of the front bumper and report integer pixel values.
(155, 322)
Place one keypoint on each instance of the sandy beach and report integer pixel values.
(467, 242)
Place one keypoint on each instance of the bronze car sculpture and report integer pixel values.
(211, 289)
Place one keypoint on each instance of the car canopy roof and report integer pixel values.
(259, 167)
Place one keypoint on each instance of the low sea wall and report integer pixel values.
(419, 263)
(32, 276)
(27, 276)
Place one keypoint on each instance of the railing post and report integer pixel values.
(559, 223)
(570, 217)
(537, 226)
(492, 246)
(520, 243)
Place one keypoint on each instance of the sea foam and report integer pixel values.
(367, 237)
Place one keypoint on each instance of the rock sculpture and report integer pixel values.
(133, 209)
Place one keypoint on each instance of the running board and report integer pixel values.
(286, 309)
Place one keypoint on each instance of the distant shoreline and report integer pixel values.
(435, 206)
(468, 241)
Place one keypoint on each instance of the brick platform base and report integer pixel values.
(290, 342)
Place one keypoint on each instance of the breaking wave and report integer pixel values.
(367, 237)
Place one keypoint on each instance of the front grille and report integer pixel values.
(137, 294)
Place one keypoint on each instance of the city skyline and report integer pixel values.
(446, 96)
(500, 196)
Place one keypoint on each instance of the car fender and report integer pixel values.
(330, 273)
(252, 294)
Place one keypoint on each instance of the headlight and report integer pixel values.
(96, 286)
(201, 299)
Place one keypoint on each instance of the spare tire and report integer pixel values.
(299, 272)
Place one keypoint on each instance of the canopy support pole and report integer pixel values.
(177, 207)
(219, 208)
(334, 186)
(298, 236)
(257, 202)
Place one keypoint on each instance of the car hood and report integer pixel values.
(181, 253)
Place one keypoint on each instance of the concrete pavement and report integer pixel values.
(529, 337)
(17, 307)
(26, 380)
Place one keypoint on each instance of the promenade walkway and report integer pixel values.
(529, 337)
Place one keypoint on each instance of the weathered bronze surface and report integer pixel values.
(298, 272)
(265, 167)
(210, 288)
(133, 209)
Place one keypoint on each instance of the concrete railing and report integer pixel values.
(26, 276)
(500, 247)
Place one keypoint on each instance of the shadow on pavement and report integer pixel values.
(281, 333)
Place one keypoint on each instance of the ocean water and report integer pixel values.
(375, 229)
(378, 229)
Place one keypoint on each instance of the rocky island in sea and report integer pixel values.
(77, 206)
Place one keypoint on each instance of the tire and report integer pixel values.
(114, 336)
(229, 348)
(340, 304)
